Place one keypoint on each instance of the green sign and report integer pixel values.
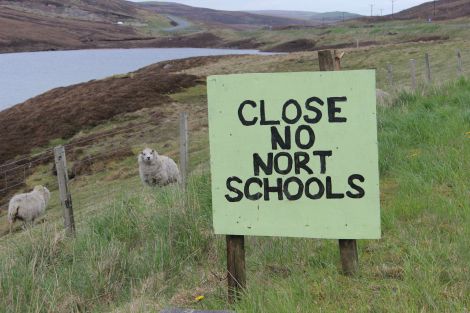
(295, 154)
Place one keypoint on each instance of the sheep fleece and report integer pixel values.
(160, 171)
(28, 206)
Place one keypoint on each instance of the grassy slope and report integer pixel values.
(155, 248)
(389, 32)
(425, 218)
(193, 100)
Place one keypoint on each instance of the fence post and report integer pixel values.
(459, 63)
(390, 74)
(236, 274)
(428, 68)
(329, 61)
(184, 148)
(413, 73)
(65, 196)
(357, 43)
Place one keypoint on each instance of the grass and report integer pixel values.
(389, 32)
(151, 249)
(139, 250)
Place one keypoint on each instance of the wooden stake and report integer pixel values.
(459, 64)
(413, 73)
(236, 274)
(65, 196)
(347, 247)
(428, 68)
(326, 60)
(390, 74)
(184, 148)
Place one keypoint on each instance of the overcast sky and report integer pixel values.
(356, 6)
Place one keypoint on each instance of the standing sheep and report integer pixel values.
(157, 170)
(27, 207)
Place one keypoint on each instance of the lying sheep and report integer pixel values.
(27, 207)
(157, 170)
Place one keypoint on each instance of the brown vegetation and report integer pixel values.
(218, 17)
(435, 10)
(93, 163)
(25, 31)
(294, 45)
(62, 112)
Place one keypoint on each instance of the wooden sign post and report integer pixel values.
(236, 274)
(294, 155)
(347, 247)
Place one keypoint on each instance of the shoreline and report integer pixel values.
(55, 66)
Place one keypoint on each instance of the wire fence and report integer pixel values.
(14, 175)
(105, 167)
(421, 71)
(101, 167)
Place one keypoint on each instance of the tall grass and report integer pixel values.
(157, 249)
(145, 240)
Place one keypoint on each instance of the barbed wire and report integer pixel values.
(27, 163)
(97, 191)
(11, 187)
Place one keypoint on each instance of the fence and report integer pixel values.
(421, 72)
(103, 165)
(94, 170)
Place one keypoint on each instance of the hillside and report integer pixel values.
(25, 31)
(142, 250)
(326, 17)
(103, 11)
(63, 112)
(438, 10)
(220, 17)
(32, 25)
(150, 249)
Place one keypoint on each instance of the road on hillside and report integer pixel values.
(181, 23)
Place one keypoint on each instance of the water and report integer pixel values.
(25, 75)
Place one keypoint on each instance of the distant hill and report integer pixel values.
(90, 10)
(33, 25)
(330, 17)
(440, 10)
(219, 17)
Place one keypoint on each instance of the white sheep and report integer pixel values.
(27, 207)
(157, 170)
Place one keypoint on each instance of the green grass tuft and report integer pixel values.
(156, 248)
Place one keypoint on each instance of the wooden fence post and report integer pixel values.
(459, 64)
(184, 148)
(347, 247)
(357, 43)
(236, 274)
(65, 196)
(428, 68)
(390, 74)
(413, 73)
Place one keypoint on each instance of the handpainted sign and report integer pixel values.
(295, 154)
